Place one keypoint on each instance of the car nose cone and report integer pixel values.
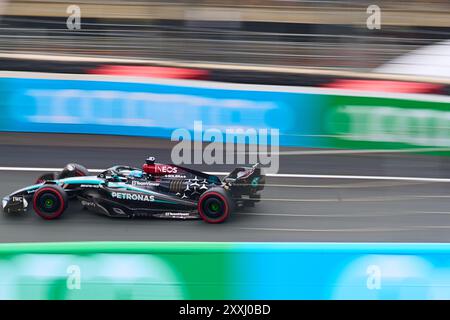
(5, 202)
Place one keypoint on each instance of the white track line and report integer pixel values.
(358, 185)
(302, 200)
(295, 215)
(435, 196)
(275, 175)
(330, 176)
(350, 230)
(366, 199)
(300, 215)
(349, 177)
(334, 230)
(34, 169)
(433, 212)
(351, 152)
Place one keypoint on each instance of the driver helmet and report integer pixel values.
(115, 177)
(150, 160)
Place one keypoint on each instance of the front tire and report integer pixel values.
(50, 201)
(215, 205)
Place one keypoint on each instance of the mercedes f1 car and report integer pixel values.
(157, 190)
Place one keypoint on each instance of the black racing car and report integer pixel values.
(156, 190)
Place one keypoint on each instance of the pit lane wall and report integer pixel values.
(174, 270)
(305, 117)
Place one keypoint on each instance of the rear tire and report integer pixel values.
(215, 205)
(73, 170)
(50, 201)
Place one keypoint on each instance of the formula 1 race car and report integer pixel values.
(156, 190)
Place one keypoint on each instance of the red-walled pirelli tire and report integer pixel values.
(73, 170)
(215, 205)
(50, 201)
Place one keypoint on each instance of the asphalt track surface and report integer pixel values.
(292, 209)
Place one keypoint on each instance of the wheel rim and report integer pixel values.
(213, 208)
(49, 203)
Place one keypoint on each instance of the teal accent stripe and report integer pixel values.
(165, 201)
(132, 188)
(112, 247)
(86, 180)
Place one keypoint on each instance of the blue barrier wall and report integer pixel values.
(344, 271)
(148, 109)
(305, 117)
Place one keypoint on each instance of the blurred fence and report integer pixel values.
(322, 47)
(270, 33)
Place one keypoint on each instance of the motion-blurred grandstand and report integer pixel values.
(291, 42)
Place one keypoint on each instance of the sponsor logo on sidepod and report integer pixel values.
(132, 196)
(144, 183)
(88, 203)
(89, 186)
(166, 169)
